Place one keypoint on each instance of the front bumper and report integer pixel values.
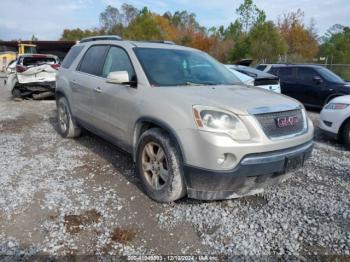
(254, 173)
(330, 122)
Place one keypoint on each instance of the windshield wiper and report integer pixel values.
(193, 84)
(202, 84)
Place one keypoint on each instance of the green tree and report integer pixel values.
(144, 27)
(184, 20)
(241, 49)
(336, 45)
(233, 31)
(266, 42)
(77, 34)
(250, 15)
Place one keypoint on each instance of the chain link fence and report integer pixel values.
(343, 70)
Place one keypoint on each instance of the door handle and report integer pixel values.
(98, 90)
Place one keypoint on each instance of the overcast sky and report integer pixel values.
(47, 18)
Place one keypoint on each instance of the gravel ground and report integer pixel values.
(74, 197)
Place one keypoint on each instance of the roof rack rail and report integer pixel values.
(160, 42)
(101, 37)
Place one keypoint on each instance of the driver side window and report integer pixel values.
(118, 60)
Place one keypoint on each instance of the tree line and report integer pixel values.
(251, 35)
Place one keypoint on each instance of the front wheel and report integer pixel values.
(346, 134)
(159, 166)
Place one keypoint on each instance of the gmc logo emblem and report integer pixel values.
(287, 121)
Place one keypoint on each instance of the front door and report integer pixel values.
(114, 104)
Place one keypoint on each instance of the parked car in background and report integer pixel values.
(245, 79)
(10, 79)
(11, 68)
(265, 67)
(35, 76)
(261, 79)
(335, 119)
(313, 85)
(190, 125)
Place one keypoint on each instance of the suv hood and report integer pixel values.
(237, 99)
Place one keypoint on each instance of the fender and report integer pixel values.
(330, 97)
(161, 124)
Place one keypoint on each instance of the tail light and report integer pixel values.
(20, 68)
(56, 66)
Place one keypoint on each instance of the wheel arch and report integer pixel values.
(332, 96)
(145, 123)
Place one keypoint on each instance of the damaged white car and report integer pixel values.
(35, 76)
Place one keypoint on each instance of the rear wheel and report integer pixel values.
(67, 127)
(159, 166)
(346, 133)
(16, 93)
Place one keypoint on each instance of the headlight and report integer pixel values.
(336, 106)
(222, 121)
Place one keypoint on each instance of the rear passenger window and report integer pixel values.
(93, 59)
(285, 72)
(70, 57)
(117, 60)
(306, 74)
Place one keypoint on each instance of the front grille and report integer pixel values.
(269, 123)
(265, 82)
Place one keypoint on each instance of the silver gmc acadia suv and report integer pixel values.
(190, 125)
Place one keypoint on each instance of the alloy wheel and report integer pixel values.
(155, 165)
(62, 117)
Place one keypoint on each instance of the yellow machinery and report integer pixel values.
(8, 54)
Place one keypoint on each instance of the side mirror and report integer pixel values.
(317, 79)
(118, 77)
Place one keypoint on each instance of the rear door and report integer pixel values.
(85, 80)
(114, 103)
(37, 69)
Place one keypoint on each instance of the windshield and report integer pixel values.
(29, 49)
(329, 75)
(170, 67)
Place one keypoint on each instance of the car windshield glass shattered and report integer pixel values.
(170, 67)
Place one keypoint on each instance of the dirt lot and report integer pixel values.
(61, 197)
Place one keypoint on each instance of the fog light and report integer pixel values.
(221, 160)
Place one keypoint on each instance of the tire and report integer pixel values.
(67, 127)
(159, 167)
(16, 93)
(346, 134)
